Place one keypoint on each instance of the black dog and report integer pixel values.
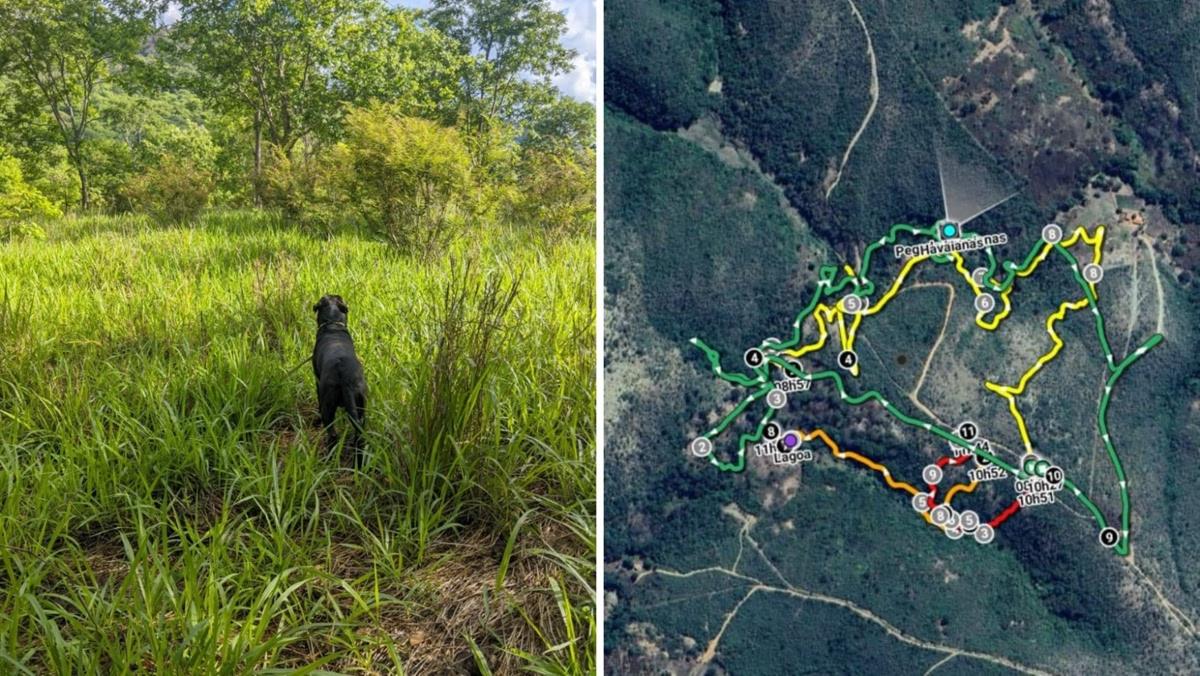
(340, 380)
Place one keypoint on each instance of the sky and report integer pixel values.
(580, 82)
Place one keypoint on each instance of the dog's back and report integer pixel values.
(337, 368)
(339, 374)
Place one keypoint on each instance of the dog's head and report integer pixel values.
(330, 309)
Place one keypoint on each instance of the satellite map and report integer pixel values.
(901, 313)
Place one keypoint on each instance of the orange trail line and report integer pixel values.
(839, 453)
(887, 475)
(959, 488)
(956, 488)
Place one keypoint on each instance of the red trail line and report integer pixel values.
(1003, 516)
(942, 462)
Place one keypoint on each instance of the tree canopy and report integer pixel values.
(108, 105)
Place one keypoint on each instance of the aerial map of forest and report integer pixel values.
(901, 302)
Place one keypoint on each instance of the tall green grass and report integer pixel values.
(165, 501)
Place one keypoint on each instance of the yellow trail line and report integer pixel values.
(821, 315)
(1096, 240)
(959, 488)
(1011, 393)
(841, 320)
(828, 313)
(1046, 358)
(895, 287)
(835, 312)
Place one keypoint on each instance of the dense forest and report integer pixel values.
(413, 124)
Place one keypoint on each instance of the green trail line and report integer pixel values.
(714, 360)
(742, 441)
(737, 410)
(1123, 543)
(864, 287)
(872, 395)
(1115, 370)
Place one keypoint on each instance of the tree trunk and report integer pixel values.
(257, 160)
(85, 198)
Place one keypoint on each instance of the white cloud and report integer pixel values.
(580, 81)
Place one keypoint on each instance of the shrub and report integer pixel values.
(10, 230)
(309, 186)
(20, 201)
(557, 193)
(175, 190)
(56, 179)
(408, 177)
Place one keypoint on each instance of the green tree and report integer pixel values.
(556, 121)
(518, 50)
(67, 49)
(174, 189)
(558, 191)
(387, 57)
(266, 59)
(133, 132)
(289, 66)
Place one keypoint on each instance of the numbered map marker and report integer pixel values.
(940, 515)
(1093, 273)
(968, 520)
(754, 357)
(968, 430)
(932, 474)
(701, 447)
(1109, 536)
(776, 398)
(847, 359)
(771, 431)
(920, 502)
(985, 534)
(1054, 475)
(1052, 233)
(853, 304)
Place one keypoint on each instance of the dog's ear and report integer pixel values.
(342, 306)
(317, 307)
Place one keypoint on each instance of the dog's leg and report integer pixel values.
(360, 402)
(329, 404)
(317, 382)
(355, 405)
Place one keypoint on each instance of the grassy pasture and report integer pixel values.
(165, 502)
